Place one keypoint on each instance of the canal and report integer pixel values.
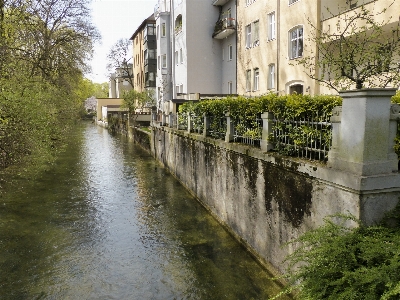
(107, 222)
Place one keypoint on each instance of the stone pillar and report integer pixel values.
(206, 124)
(229, 128)
(361, 144)
(177, 120)
(268, 123)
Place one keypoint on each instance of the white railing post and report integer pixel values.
(189, 123)
(206, 124)
(229, 128)
(267, 131)
(171, 120)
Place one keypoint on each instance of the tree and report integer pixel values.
(118, 58)
(136, 102)
(45, 47)
(360, 51)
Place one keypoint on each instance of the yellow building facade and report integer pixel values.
(274, 35)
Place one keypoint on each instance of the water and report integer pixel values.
(107, 222)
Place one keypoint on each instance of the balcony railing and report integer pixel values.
(224, 28)
(219, 2)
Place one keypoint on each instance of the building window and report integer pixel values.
(248, 80)
(248, 36)
(296, 89)
(271, 76)
(181, 55)
(292, 1)
(256, 80)
(176, 58)
(230, 52)
(230, 88)
(163, 30)
(255, 31)
(271, 26)
(228, 13)
(178, 24)
(164, 60)
(296, 42)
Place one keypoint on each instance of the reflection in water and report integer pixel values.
(107, 222)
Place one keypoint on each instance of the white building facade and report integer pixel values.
(194, 57)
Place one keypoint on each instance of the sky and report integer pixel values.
(115, 19)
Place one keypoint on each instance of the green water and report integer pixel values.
(107, 222)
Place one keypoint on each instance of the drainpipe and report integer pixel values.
(278, 42)
(236, 50)
(317, 89)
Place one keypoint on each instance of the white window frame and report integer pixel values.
(176, 58)
(230, 88)
(296, 42)
(164, 61)
(248, 80)
(181, 55)
(248, 36)
(271, 77)
(271, 26)
(163, 30)
(256, 79)
(230, 52)
(255, 31)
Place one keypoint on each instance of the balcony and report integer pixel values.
(332, 8)
(331, 19)
(219, 2)
(224, 28)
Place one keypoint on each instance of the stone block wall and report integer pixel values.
(263, 199)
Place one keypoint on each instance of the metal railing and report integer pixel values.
(217, 127)
(306, 137)
(197, 123)
(248, 132)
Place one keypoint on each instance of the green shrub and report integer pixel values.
(245, 111)
(338, 262)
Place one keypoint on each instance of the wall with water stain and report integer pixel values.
(263, 199)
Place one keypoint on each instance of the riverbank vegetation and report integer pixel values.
(338, 261)
(45, 48)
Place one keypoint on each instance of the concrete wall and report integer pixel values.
(265, 200)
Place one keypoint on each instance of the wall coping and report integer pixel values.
(389, 182)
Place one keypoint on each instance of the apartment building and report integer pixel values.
(120, 81)
(196, 42)
(274, 35)
(270, 40)
(145, 55)
(225, 32)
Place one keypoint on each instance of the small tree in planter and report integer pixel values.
(359, 51)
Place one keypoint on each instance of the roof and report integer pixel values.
(149, 20)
